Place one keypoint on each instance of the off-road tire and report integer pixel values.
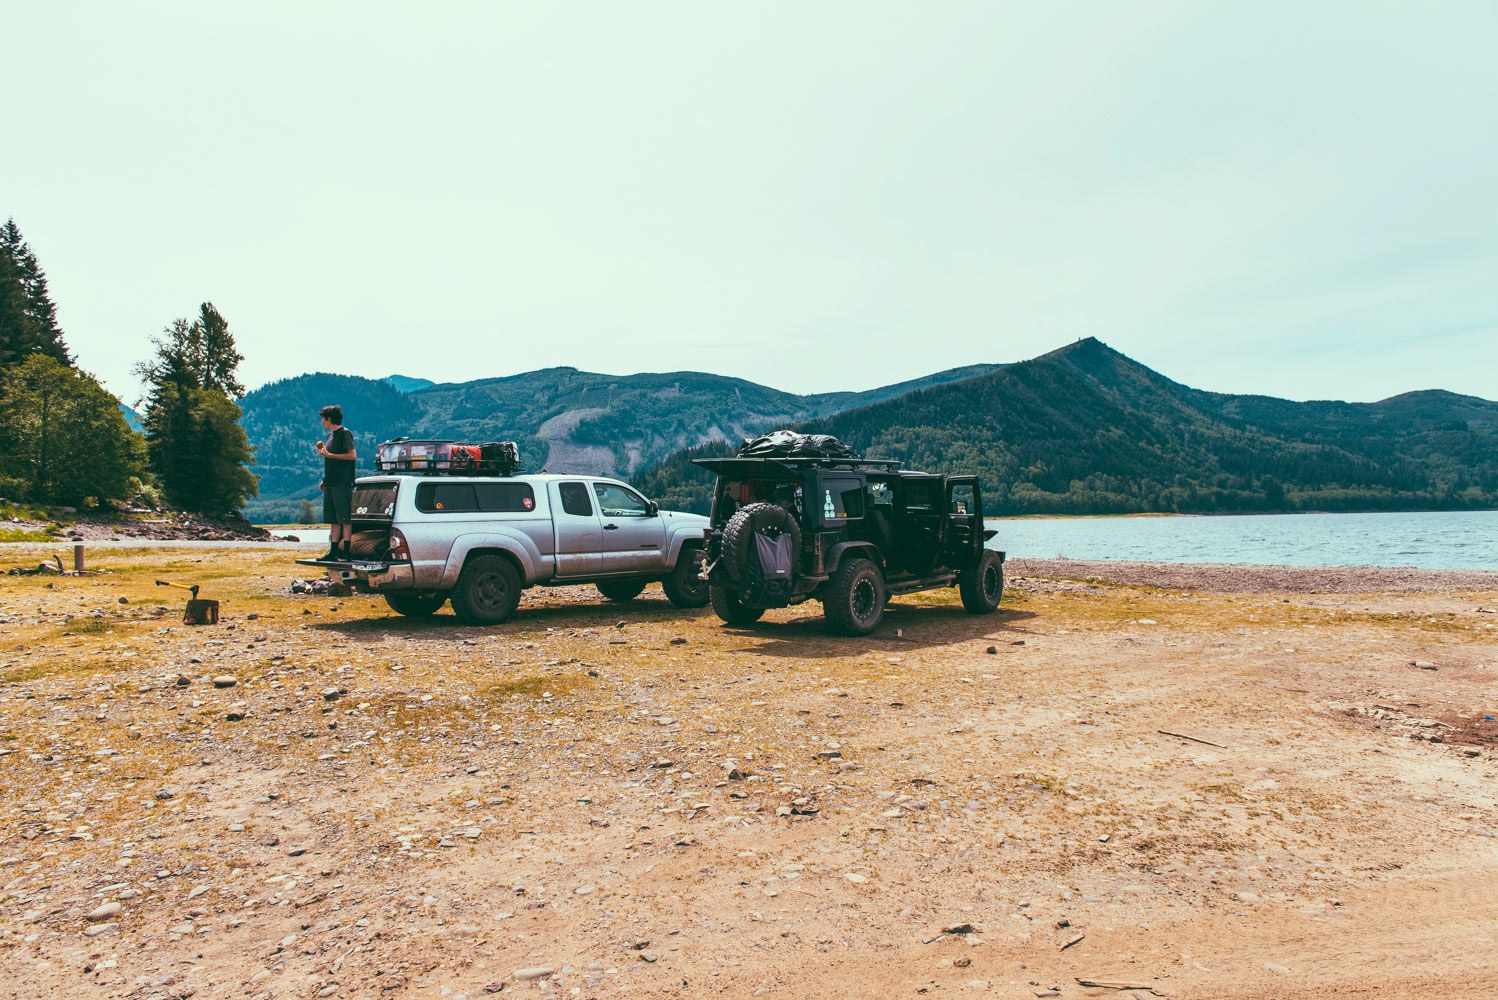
(488, 591)
(738, 534)
(621, 590)
(415, 605)
(729, 608)
(682, 586)
(853, 601)
(982, 586)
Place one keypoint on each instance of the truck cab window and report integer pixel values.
(616, 501)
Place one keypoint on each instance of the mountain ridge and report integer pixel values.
(563, 418)
(1086, 429)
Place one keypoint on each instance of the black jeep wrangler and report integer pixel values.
(799, 521)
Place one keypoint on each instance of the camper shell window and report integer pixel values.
(456, 498)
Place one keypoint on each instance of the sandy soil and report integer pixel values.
(647, 803)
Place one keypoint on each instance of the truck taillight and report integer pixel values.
(399, 550)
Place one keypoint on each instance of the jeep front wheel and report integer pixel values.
(683, 586)
(982, 585)
(732, 610)
(414, 605)
(488, 591)
(854, 599)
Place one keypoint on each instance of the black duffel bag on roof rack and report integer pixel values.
(789, 444)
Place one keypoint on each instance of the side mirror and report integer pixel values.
(652, 508)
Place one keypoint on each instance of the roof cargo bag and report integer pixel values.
(452, 457)
(789, 444)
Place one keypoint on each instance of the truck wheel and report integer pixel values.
(414, 605)
(621, 590)
(729, 608)
(854, 599)
(682, 586)
(488, 591)
(982, 585)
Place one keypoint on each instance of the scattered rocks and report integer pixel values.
(105, 911)
(225, 681)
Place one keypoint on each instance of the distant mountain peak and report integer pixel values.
(406, 383)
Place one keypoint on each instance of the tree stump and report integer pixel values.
(201, 612)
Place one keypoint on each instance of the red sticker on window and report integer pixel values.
(528, 503)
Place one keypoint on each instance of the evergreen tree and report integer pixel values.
(63, 438)
(200, 355)
(28, 319)
(198, 450)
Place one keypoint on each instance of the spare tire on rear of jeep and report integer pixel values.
(739, 532)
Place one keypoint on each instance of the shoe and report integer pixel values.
(329, 556)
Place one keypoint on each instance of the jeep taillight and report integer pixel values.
(399, 550)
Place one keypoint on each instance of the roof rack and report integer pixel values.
(435, 467)
(448, 458)
(799, 461)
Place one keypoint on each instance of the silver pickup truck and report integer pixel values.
(478, 541)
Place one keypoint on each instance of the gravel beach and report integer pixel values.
(1196, 792)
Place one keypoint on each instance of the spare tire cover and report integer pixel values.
(757, 518)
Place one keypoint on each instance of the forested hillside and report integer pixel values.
(563, 419)
(1087, 430)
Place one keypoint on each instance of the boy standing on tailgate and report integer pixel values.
(337, 483)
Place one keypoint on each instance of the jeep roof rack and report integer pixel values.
(727, 466)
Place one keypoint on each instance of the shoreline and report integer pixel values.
(1226, 513)
(1258, 577)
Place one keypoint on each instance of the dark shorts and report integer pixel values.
(337, 503)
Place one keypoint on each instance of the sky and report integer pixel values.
(1275, 197)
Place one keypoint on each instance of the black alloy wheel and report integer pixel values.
(853, 601)
(684, 587)
(488, 591)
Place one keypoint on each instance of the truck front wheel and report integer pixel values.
(729, 608)
(854, 599)
(488, 591)
(683, 585)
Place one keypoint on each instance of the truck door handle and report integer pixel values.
(610, 527)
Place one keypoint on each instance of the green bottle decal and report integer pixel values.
(828, 511)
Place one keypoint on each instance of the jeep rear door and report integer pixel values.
(578, 530)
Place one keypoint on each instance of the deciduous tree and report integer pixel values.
(63, 438)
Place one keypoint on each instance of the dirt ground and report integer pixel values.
(601, 800)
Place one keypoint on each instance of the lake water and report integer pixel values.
(1444, 540)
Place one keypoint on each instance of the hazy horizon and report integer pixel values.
(1285, 201)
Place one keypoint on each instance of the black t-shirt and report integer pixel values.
(339, 470)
